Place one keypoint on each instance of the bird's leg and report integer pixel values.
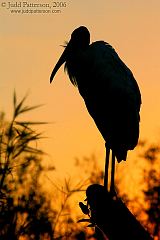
(112, 190)
(106, 167)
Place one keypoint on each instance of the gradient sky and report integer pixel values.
(30, 47)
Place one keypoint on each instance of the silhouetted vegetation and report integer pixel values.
(150, 182)
(24, 208)
(152, 191)
(28, 211)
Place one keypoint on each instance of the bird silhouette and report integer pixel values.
(110, 92)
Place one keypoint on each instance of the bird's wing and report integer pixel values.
(111, 95)
(104, 69)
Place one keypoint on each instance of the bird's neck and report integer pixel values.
(74, 65)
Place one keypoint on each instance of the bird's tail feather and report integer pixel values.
(121, 154)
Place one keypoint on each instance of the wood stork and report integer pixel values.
(109, 90)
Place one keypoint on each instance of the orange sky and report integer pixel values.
(30, 47)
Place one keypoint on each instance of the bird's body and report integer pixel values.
(110, 92)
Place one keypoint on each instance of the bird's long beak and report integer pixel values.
(60, 62)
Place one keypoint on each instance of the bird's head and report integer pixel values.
(80, 39)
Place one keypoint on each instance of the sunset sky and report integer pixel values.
(30, 47)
